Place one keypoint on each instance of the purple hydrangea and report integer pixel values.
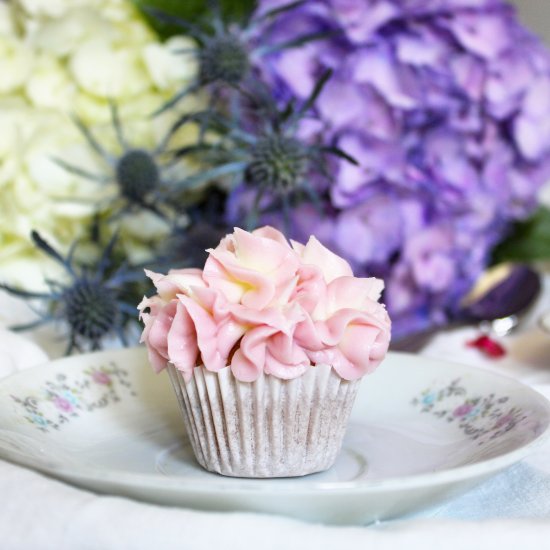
(446, 104)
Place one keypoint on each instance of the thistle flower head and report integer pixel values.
(140, 175)
(278, 163)
(223, 59)
(90, 309)
(91, 300)
(226, 53)
(137, 174)
(269, 159)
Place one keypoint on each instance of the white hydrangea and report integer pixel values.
(16, 63)
(53, 8)
(73, 57)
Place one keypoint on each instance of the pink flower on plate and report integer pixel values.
(100, 377)
(63, 404)
(506, 421)
(463, 410)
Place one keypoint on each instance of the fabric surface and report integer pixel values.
(511, 509)
(520, 492)
(42, 514)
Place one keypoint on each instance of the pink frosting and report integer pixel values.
(264, 305)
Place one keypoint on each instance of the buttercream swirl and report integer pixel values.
(262, 304)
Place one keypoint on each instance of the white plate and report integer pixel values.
(421, 431)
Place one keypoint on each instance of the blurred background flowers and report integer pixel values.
(60, 61)
(411, 137)
(447, 107)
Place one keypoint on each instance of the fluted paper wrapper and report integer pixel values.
(267, 428)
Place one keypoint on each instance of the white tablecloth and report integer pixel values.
(509, 511)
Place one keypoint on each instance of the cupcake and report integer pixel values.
(265, 348)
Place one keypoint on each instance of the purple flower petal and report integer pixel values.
(361, 19)
(484, 34)
(393, 82)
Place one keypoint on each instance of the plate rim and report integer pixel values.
(82, 473)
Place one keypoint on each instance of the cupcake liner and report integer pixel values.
(267, 428)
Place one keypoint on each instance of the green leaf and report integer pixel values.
(192, 10)
(528, 241)
(172, 20)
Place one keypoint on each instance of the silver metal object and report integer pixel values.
(500, 327)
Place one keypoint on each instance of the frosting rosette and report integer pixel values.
(264, 306)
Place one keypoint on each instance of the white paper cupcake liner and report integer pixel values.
(267, 428)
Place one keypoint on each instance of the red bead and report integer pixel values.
(487, 346)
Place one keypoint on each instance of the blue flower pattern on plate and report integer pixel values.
(481, 417)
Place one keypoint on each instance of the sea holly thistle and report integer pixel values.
(270, 160)
(245, 138)
(226, 53)
(90, 301)
(141, 176)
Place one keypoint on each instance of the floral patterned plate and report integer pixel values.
(421, 431)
